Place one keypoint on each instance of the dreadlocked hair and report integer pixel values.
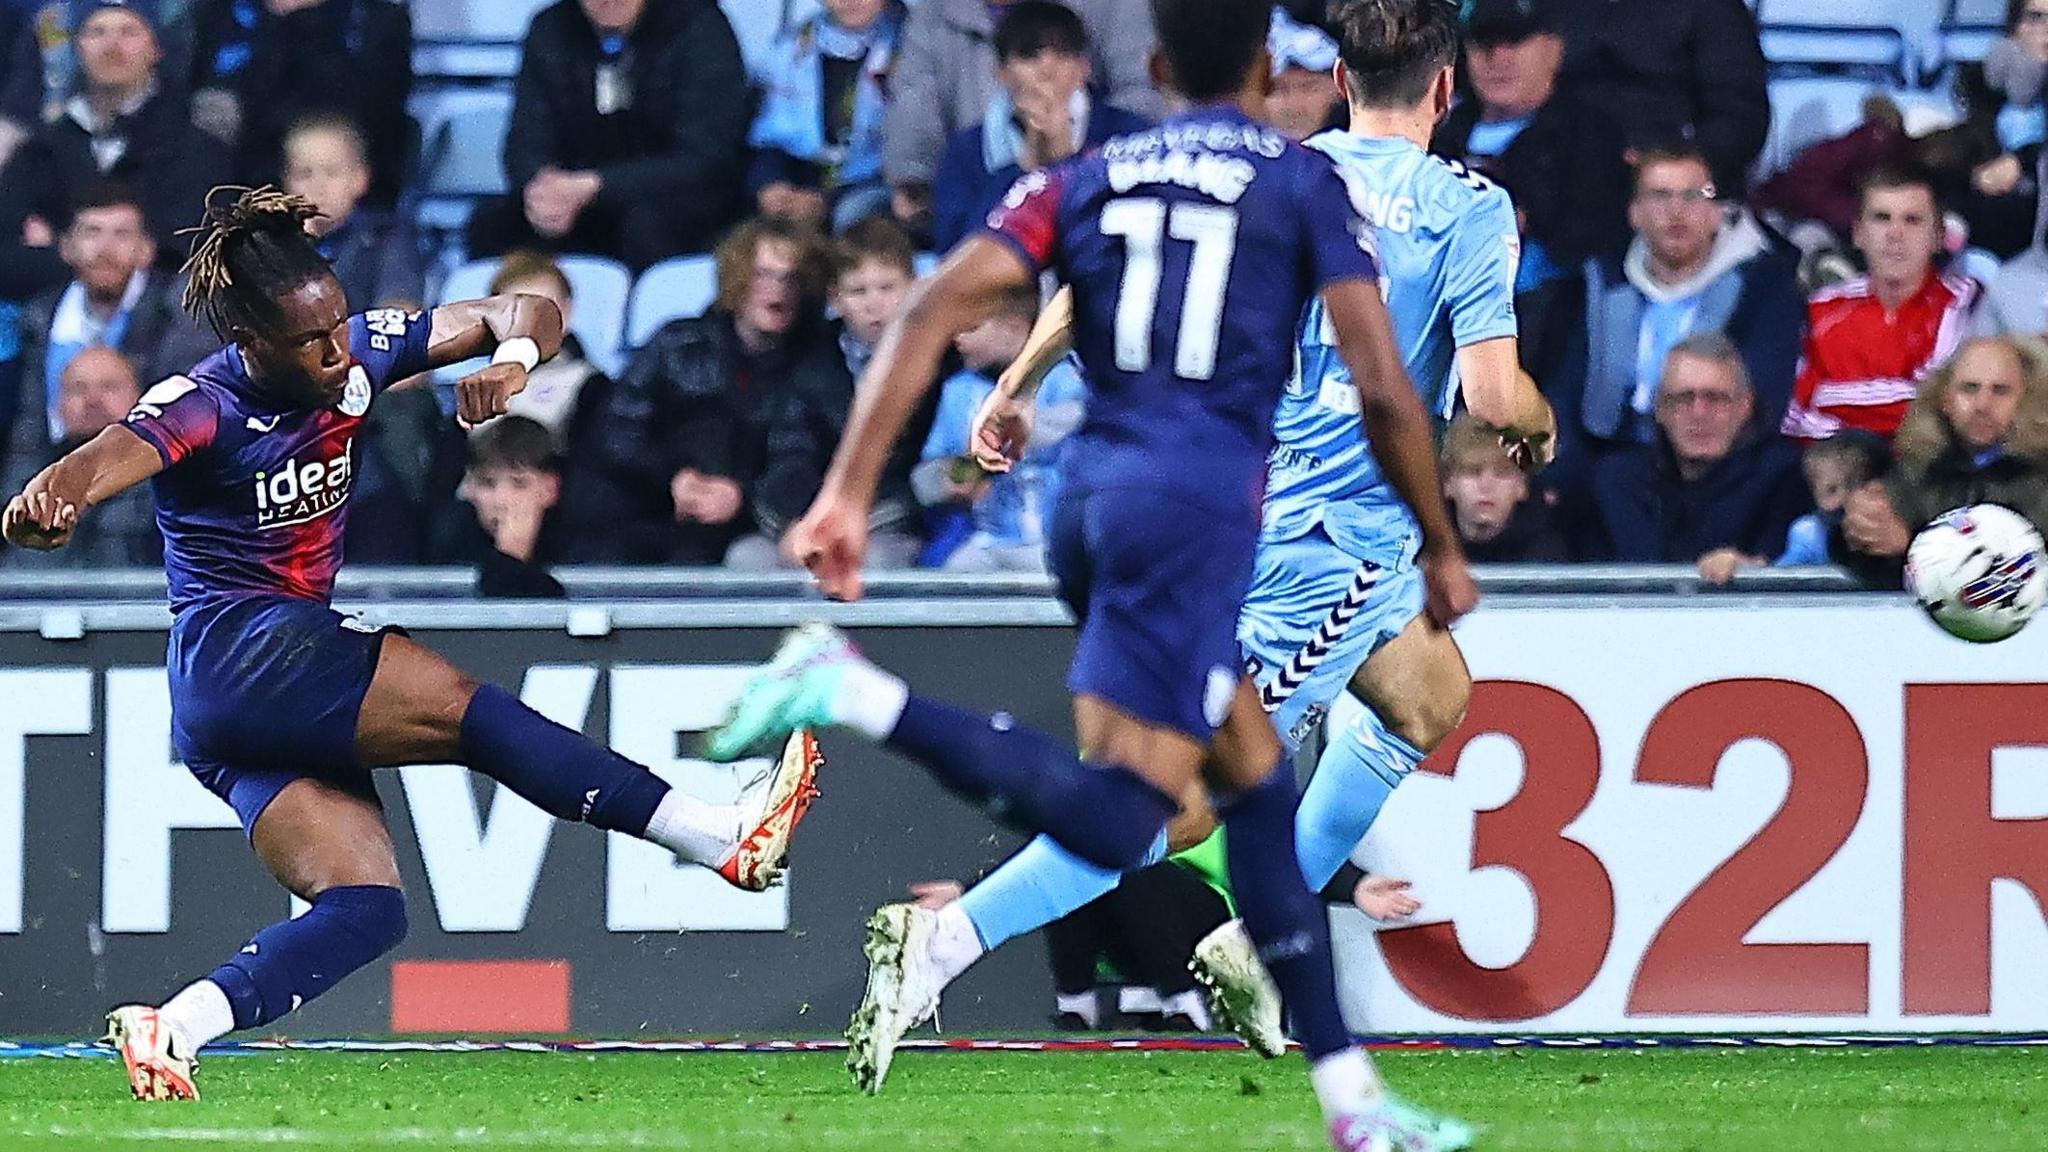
(248, 253)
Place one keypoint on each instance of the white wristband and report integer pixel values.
(520, 350)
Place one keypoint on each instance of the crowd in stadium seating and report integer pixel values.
(1705, 344)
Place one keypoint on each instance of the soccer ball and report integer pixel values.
(1978, 571)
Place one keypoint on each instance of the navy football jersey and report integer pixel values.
(254, 498)
(1192, 249)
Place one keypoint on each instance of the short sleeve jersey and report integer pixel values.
(253, 497)
(1192, 249)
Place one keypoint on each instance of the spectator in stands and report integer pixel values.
(1676, 69)
(1697, 264)
(376, 256)
(565, 394)
(1490, 501)
(1977, 433)
(1712, 479)
(1042, 115)
(873, 268)
(98, 389)
(1871, 340)
(1824, 183)
(1559, 158)
(1009, 511)
(2016, 300)
(115, 298)
(2015, 68)
(1304, 99)
(1834, 468)
(21, 78)
(505, 523)
(946, 75)
(124, 125)
(818, 137)
(676, 455)
(628, 134)
(259, 66)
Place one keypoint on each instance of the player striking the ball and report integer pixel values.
(282, 706)
(1192, 250)
(1336, 603)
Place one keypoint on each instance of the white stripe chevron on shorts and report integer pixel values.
(1310, 657)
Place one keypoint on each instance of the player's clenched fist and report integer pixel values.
(1452, 592)
(832, 541)
(1001, 431)
(39, 519)
(483, 395)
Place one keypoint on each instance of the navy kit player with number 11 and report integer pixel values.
(1192, 249)
(279, 704)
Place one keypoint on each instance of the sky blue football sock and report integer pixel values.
(1360, 767)
(1037, 886)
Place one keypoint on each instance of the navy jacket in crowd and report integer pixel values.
(965, 190)
(1646, 514)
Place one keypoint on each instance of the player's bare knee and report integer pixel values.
(1433, 720)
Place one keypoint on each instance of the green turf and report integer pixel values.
(1828, 1101)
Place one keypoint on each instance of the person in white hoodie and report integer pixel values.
(1697, 264)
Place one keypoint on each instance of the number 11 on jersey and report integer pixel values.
(1144, 226)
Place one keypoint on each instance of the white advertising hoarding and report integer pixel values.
(1735, 814)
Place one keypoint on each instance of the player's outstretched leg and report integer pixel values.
(1286, 922)
(421, 709)
(1414, 691)
(327, 845)
(1106, 814)
(913, 952)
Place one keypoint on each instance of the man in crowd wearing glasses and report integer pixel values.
(1696, 264)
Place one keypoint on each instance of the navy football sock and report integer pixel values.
(290, 963)
(1105, 814)
(561, 771)
(1284, 919)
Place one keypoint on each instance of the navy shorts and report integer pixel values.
(265, 690)
(1156, 581)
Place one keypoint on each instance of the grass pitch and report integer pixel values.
(1896, 1100)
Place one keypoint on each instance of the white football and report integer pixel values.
(1978, 572)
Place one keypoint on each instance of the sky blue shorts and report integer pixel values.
(1315, 614)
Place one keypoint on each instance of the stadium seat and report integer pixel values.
(470, 39)
(462, 159)
(1807, 110)
(1979, 265)
(600, 287)
(674, 289)
(1839, 49)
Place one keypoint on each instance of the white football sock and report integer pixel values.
(698, 832)
(1346, 1082)
(201, 1014)
(870, 701)
(955, 943)
(1082, 1004)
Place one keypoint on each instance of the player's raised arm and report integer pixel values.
(1498, 392)
(519, 331)
(1402, 437)
(43, 514)
(831, 539)
(1002, 428)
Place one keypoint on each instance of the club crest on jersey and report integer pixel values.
(355, 398)
(303, 491)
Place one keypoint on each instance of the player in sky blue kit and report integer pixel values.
(279, 704)
(1192, 249)
(1336, 603)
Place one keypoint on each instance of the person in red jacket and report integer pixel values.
(1871, 340)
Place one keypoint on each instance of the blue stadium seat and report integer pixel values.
(1807, 110)
(675, 289)
(600, 287)
(462, 158)
(1839, 49)
(470, 39)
